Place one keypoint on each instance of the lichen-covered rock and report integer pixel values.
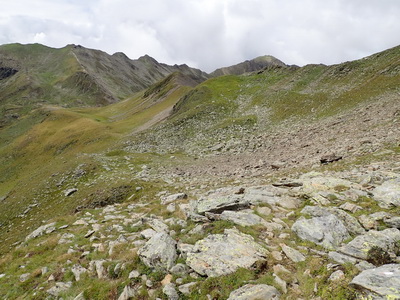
(379, 283)
(255, 292)
(221, 254)
(388, 194)
(159, 252)
(327, 231)
(359, 247)
(351, 223)
(292, 254)
(242, 218)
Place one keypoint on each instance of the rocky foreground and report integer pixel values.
(331, 235)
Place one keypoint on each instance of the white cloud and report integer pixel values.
(209, 33)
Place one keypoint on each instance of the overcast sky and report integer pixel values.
(208, 34)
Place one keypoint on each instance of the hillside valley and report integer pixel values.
(133, 179)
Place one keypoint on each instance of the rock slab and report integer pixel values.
(379, 283)
(222, 254)
(255, 292)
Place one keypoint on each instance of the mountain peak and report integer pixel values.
(255, 64)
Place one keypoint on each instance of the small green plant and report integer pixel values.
(378, 256)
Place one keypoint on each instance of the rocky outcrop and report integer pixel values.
(327, 231)
(221, 254)
(387, 240)
(379, 283)
(159, 252)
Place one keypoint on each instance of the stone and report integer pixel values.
(24, 277)
(388, 194)
(242, 218)
(134, 274)
(89, 233)
(44, 229)
(359, 247)
(170, 291)
(127, 293)
(276, 255)
(187, 288)
(69, 192)
(342, 258)
(59, 288)
(379, 283)
(351, 223)
(81, 296)
(336, 276)
(148, 233)
(287, 183)
(393, 222)
(351, 207)
(292, 254)
(330, 158)
(327, 231)
(219, 204)
(172, 198)
(96, 266)
(282, 283)
(367, 222)
(179, 269)
(222, 254)
(167, 279)
(77, 270)
(159, 252)
(264, 210)
(66, 238)
(171, 207)
(255, 292)
(157, 225)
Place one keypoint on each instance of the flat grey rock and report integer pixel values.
(388, 194)
(359, 246)
(255, 292)
(292, 254)
(242, 218)
(379, 283)
(222, 254)
(327, 231)
(159, 252)
(352, 225)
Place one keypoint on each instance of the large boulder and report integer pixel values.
(221, 254)
(351, 223)
(327, 231)
(379, 283)
(388, 194)
(159, 252)
(255, 292)
(387, 240)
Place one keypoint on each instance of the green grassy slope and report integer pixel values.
(230, 106)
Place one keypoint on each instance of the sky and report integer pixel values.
(209, 34)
